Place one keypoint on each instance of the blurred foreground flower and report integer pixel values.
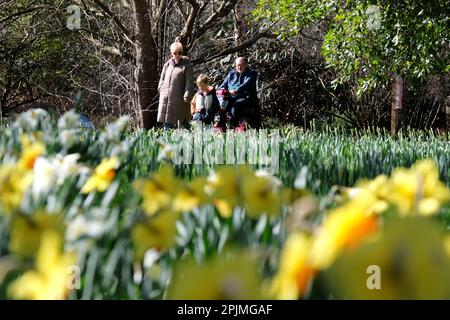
(30, 152)
(69, 120)
(27, 231)
(49, 173)
(408, 266)
(14, 182)
(225, 185)
(113, 131)
(104, 173)
(32, 119)
(50, 279)
(158, 232)
(418, 190)
(261, 195)
(345, 227)
(158, 190)
(295, 273)
(191, 195)
(226, 277)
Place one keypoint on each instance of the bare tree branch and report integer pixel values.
(125, 32)
(202, 7)
(242, 46)
(180, 9)
(190, 21)
(224, 9)
(21, 13)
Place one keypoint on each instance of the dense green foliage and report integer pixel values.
(370, 40)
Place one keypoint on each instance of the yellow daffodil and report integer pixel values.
(344, 227)
(50, 279)
(26, 231)
(260, 196)
(227, 277)
(377, 186)
(104, 173)
(295, 274)
(157, 232)
(158, 190)
(191, 195)
(398, 265)
(14, 182)
(418, 190)
(373, 191)
(30, 152)
(226, 187)
(291, 195)
(446, 244)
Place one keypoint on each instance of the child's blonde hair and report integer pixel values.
(202, 79)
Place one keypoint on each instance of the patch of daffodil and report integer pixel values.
(231, 276)
(50, 278)
(27, 230)
(343, 228)
(398, 265)
(295, 273)
(418, 190)
(103, 175)
(14, 182)
(158, 190)
(260, 195)
(191, 195)
(30, 152)
(157, 232)
(226, 188)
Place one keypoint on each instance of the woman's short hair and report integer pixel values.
(202, 79)
(176, 46)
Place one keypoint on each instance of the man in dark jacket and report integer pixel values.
(243, 100)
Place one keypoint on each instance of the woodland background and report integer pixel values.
(317, 60)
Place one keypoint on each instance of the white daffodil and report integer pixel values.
(68, 137)
(121, 150)
(113, 130)
(122, 122)
(30, 120)
(165, 152)
(66, 166)
(69, 120)
(44, 177)
(80, 227)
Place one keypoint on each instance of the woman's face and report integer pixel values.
(176, 55)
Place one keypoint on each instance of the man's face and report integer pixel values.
(241, 65)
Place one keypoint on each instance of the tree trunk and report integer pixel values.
(447, 114)
(240, 28)
(397, 103)
(145, 75)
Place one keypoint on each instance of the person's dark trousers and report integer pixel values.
(198, 116)
(168, 126)
(241, 108)
(206, 116)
